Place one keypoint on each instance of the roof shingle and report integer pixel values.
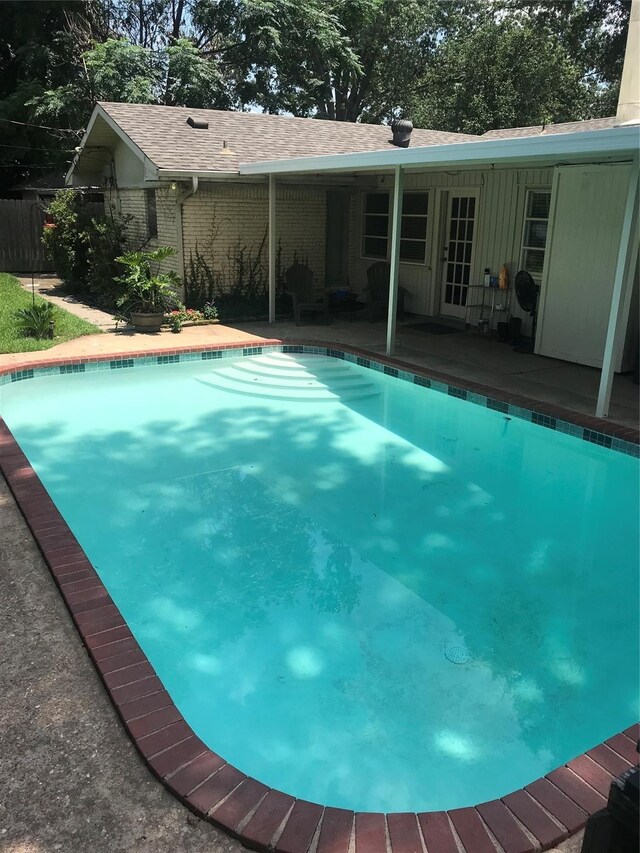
(163, 134)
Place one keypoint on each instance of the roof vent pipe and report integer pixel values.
(401, 129)
(198, 123)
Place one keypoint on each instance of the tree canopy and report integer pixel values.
(468, 65)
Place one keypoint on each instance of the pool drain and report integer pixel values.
(457, 653)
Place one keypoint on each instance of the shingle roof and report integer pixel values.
(164, 136)
(550, 129)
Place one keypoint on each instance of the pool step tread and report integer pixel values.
(313, 394)
(301, 384)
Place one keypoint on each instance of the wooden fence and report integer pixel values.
(21, 248)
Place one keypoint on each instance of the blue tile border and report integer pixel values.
(546, 421)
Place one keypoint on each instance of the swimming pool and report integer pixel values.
(367, 594)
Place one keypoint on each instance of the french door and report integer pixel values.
(460, 235)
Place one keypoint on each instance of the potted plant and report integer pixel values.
(147, 293)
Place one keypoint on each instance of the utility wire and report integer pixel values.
(40, 126)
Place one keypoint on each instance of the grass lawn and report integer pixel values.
(13, 297)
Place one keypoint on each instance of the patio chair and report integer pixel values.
(306, 297)
(377, 292)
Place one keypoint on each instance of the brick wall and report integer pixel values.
(131, 202)
(220, 217)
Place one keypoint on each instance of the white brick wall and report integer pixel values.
(221, 217)
(131, 202)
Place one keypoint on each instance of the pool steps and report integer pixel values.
(304, 379)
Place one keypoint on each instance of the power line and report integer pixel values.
(41, 126)
(31, 148)
(30, 165)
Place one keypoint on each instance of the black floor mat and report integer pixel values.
(433, 328)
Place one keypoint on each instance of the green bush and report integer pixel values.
(84, 248)
(106, 240)
(64, 239)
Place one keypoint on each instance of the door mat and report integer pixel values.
(434, 328)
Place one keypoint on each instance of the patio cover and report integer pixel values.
(610, 144)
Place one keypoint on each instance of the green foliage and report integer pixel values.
(192, 79)
(13, 298)
(84, 248)
(36, 320)
(349, 60)
(505, 74)
(145, 289)
(236, 286)
(105, 240)
(63, 239)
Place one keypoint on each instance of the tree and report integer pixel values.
(496, 74)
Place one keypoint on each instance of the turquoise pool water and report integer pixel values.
(361, 592)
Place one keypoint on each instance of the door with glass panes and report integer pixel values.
(457, 250)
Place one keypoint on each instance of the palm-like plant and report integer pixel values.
(36, 321)
(147, 291)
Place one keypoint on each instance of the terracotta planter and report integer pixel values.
(147, 321)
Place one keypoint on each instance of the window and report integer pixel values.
(413, 229)
(375, 226)
(534, 235)
(152, 214)
(413, 233)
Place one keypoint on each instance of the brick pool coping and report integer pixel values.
(535, 818)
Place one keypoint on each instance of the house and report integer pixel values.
(559, 201)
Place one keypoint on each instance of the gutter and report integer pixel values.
(193, 189)
(581, 145)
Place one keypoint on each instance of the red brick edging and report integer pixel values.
(532, 819)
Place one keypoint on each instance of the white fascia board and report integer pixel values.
(205, 174)
(150, 168)
(588, 143)
(76, 156)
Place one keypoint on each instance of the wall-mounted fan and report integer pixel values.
(527, 293)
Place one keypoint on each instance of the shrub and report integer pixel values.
(84, 248)
(64, 241)
(36, 321)
(106, 239)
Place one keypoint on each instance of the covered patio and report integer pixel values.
(475, 358)
(607, 293)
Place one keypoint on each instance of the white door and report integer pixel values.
(460, 236)
(578, 281)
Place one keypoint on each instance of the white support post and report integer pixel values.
(619, 299)
(396, 222)
(272, 248)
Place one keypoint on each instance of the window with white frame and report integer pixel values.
(534, 234)
(413, 229)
